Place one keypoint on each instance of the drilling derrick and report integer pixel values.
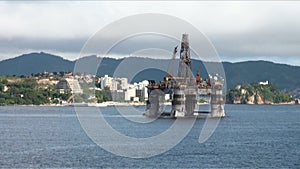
(185, 67)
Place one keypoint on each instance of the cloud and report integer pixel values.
(239, 30)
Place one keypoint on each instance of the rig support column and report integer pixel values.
(178, 103)
(191, 101)
(153, 103)
(217, 102)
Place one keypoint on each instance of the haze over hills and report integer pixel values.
(285, 77)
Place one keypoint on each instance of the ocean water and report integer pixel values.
(252, 136)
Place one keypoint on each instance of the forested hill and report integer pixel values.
(285, 77)
(34, 63)
(255, 93)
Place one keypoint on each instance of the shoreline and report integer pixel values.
(283, 103)
(110, 104)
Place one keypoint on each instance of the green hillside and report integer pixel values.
(255, 93)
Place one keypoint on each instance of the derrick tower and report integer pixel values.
(184, 70)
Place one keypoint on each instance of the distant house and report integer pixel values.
(62, 86)
(5, 88)
(264, 83)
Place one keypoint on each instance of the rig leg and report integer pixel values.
(178, 103)
(217, 103)
(153, 104)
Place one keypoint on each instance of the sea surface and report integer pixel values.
(252, 136)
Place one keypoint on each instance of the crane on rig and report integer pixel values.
(172, 62)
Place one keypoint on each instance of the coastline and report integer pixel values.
(135, 104)
(104, 104)
(267, 103)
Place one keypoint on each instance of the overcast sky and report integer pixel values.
(239, 30)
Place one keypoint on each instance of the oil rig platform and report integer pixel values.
(184, 90)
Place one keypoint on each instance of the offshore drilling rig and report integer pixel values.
(184, 90)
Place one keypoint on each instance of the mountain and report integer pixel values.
(285, 77)
(34, 63)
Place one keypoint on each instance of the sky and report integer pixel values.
(239, 30)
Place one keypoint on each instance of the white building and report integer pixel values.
(144, 85)
(74, 85)
(114, 84)
(167, 97)
(106, 82)
(145, 93)
(124, 83)
(130, 92)
(264, 83)
(121, 84)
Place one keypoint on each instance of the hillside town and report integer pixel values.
(70, 88)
